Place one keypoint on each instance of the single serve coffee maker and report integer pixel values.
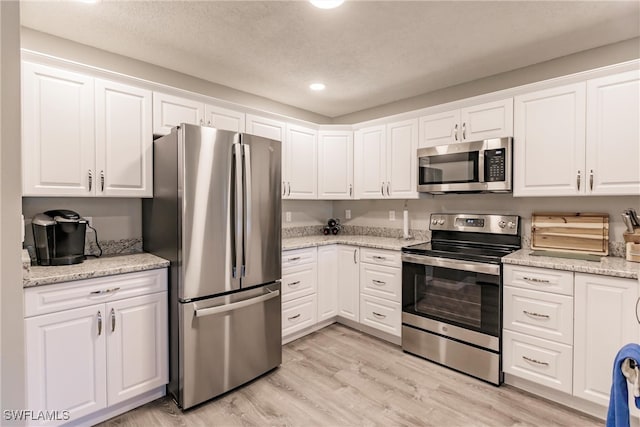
(59, 237)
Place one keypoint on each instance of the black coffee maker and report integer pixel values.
(59, 237)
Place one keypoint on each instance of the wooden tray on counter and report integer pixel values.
(581, 233)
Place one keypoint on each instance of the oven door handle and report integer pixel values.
(454, 264)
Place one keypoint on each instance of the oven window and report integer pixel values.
(461, 298)
(449, 168)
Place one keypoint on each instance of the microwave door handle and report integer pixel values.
(481, 166)
(248, 207)
(239, 214)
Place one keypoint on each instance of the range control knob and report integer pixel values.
(434, 221)
(502, 224)
(441, 221)
(511, 224)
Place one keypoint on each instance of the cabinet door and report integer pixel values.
(605, 320)
(124, 140)
(66, 359)
(370, 163)
(613, 134)
(137, 346)
(549, 139)
(335, 165)
(58, 140)
(223, 118)
(327, 282)
(402, 143)
(300, 166)
(169, 111)
(273, 129)
(489, 120)
(348, 281)
(440, 129)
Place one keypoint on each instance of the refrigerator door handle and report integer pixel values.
(247, 206)
(236, 305)
(238, 251)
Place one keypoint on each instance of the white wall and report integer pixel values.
(306, 212)
(12, 380)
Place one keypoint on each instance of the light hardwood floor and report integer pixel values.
(341, 377)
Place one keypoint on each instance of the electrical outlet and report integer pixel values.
(287, 216)
(392, 215)
(89, 223)
(347, 213)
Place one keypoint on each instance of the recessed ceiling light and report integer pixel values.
(326, 4)
(317, 86)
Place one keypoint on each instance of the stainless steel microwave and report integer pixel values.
(478, 166)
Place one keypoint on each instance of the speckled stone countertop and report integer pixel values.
(92, 267)
(607, 266)
(391, 243)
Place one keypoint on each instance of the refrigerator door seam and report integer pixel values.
(248, 208)
(239, 226)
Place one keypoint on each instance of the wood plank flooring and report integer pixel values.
(340, 377)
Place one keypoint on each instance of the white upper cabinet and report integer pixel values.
(613, 135)
(58, 149)
(84, 136)
(223, 118)
(169, 111)
(335, 165)
(266, 128)
(300, 166)
(478, 122)
(385, 161)
(549, 142)
(124, 143)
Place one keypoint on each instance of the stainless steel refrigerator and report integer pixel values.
(216, 216)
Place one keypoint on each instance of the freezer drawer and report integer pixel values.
(228, 341)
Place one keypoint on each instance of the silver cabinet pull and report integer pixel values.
(591, 180)
(289, 191)
(113, 320)
(284, 188)
(90, 179)
(537, 362)
(350, 190)
(388, 192)
(455, 132)
(535, 279)
(104, 291)
(378, 315)
(209, 123)
(292, 284)
(99, 323)
(355, 254)
(201, 122)
(533, 314)
(382, 189)
(378, 257)
(294, 317)
(295, 258)
(464, 131)
(578, 180)
(379, 282)
(637, 302)
(102, 181)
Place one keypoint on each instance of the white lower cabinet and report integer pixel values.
(327, 282)
(95, 343)
(348, 282)
(381, 314)
(299, 290)
(298, 314)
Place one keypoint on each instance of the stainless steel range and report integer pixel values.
(452, 292)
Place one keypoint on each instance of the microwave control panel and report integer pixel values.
(494, 165)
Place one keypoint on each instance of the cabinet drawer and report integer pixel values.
(80, 293)
(539, 279)
(541, 314)
(381, 257)
(541, 361)
(299, 281)
(298, 314)
(381, 314)
(381, 281)
(298, 257)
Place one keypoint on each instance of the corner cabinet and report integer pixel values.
(385, 162)
(94, 344)
(84, 136)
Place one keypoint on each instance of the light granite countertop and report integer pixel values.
(92, 267)
(391, 243)
(607, 266)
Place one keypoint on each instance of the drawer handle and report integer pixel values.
(292, 284)
(537, 362)
(104, 291)
(113, 320)
(534, 314)
(295, 258)
(535, 280)
(381, 258)
(99, 323)
(379, 282)
(378, 315)
(294, 317)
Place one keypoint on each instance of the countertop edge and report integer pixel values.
(374, 242)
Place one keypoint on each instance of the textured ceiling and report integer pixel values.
(367, 53)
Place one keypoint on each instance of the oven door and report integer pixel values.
(464, 295)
